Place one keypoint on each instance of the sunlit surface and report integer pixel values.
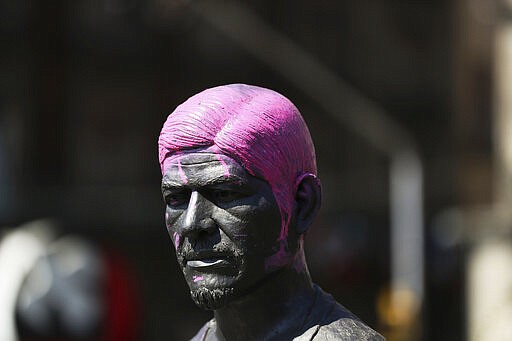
(19, 252)
(489, 292)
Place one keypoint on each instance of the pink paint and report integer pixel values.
(259, 128)
(280, 258)
(176, 239)
(226, 169)
(197, 278)
(182, 174)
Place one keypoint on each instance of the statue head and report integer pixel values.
(239, 181)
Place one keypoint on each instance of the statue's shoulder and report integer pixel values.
(346, 329)
(329, 320)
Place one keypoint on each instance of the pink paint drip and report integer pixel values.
(176, 239)
(280, 258)
(197, 278)
(181, 173)
(259, 128)
(226, 169)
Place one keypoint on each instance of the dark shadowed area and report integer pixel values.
(86, 86)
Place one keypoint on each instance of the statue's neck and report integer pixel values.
(274, 311)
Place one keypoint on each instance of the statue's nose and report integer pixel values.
(197, 217)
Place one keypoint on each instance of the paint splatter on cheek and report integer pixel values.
(197, 278)
(176, 237)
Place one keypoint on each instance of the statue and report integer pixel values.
(240, 187)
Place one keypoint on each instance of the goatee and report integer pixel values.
(211, 299)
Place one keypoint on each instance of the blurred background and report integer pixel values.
(408, 103)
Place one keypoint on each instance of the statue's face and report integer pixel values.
(224, 224)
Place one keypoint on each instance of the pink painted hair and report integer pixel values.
(259, 128)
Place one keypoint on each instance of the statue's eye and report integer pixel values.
(177, 199)
(225, 196)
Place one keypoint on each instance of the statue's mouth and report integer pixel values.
(207, 263)
(206, 260)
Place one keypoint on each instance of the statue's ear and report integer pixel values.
(308, 199)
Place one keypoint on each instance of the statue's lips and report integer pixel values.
(207, 263)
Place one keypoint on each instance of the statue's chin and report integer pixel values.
(212, 299)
